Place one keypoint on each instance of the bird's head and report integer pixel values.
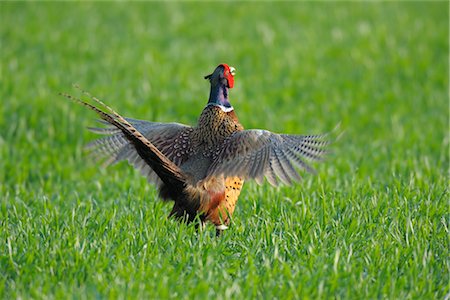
(221, 80)
(222, 75)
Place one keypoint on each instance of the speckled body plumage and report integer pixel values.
(203, 168)
(213, 197)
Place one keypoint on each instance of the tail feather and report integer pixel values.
(170, 174)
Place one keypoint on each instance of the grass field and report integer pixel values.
(373, 223)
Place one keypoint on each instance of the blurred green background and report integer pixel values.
(372, 224)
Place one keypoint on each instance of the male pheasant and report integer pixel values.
(202, 168)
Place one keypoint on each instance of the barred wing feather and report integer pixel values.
(172, 139)
(255, 154)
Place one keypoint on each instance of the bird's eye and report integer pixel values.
(232, 71)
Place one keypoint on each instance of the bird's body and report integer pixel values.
(202, 168)
(212, 197)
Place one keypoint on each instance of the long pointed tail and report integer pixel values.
(170, 174)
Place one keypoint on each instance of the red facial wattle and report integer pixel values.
(228, 73)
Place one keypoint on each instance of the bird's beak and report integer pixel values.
(208, 76)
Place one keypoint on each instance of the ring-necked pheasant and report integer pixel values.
(202, 168)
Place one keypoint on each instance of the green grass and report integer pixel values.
(372, 224)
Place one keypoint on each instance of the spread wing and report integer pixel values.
(172, 139)
(255, 154)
